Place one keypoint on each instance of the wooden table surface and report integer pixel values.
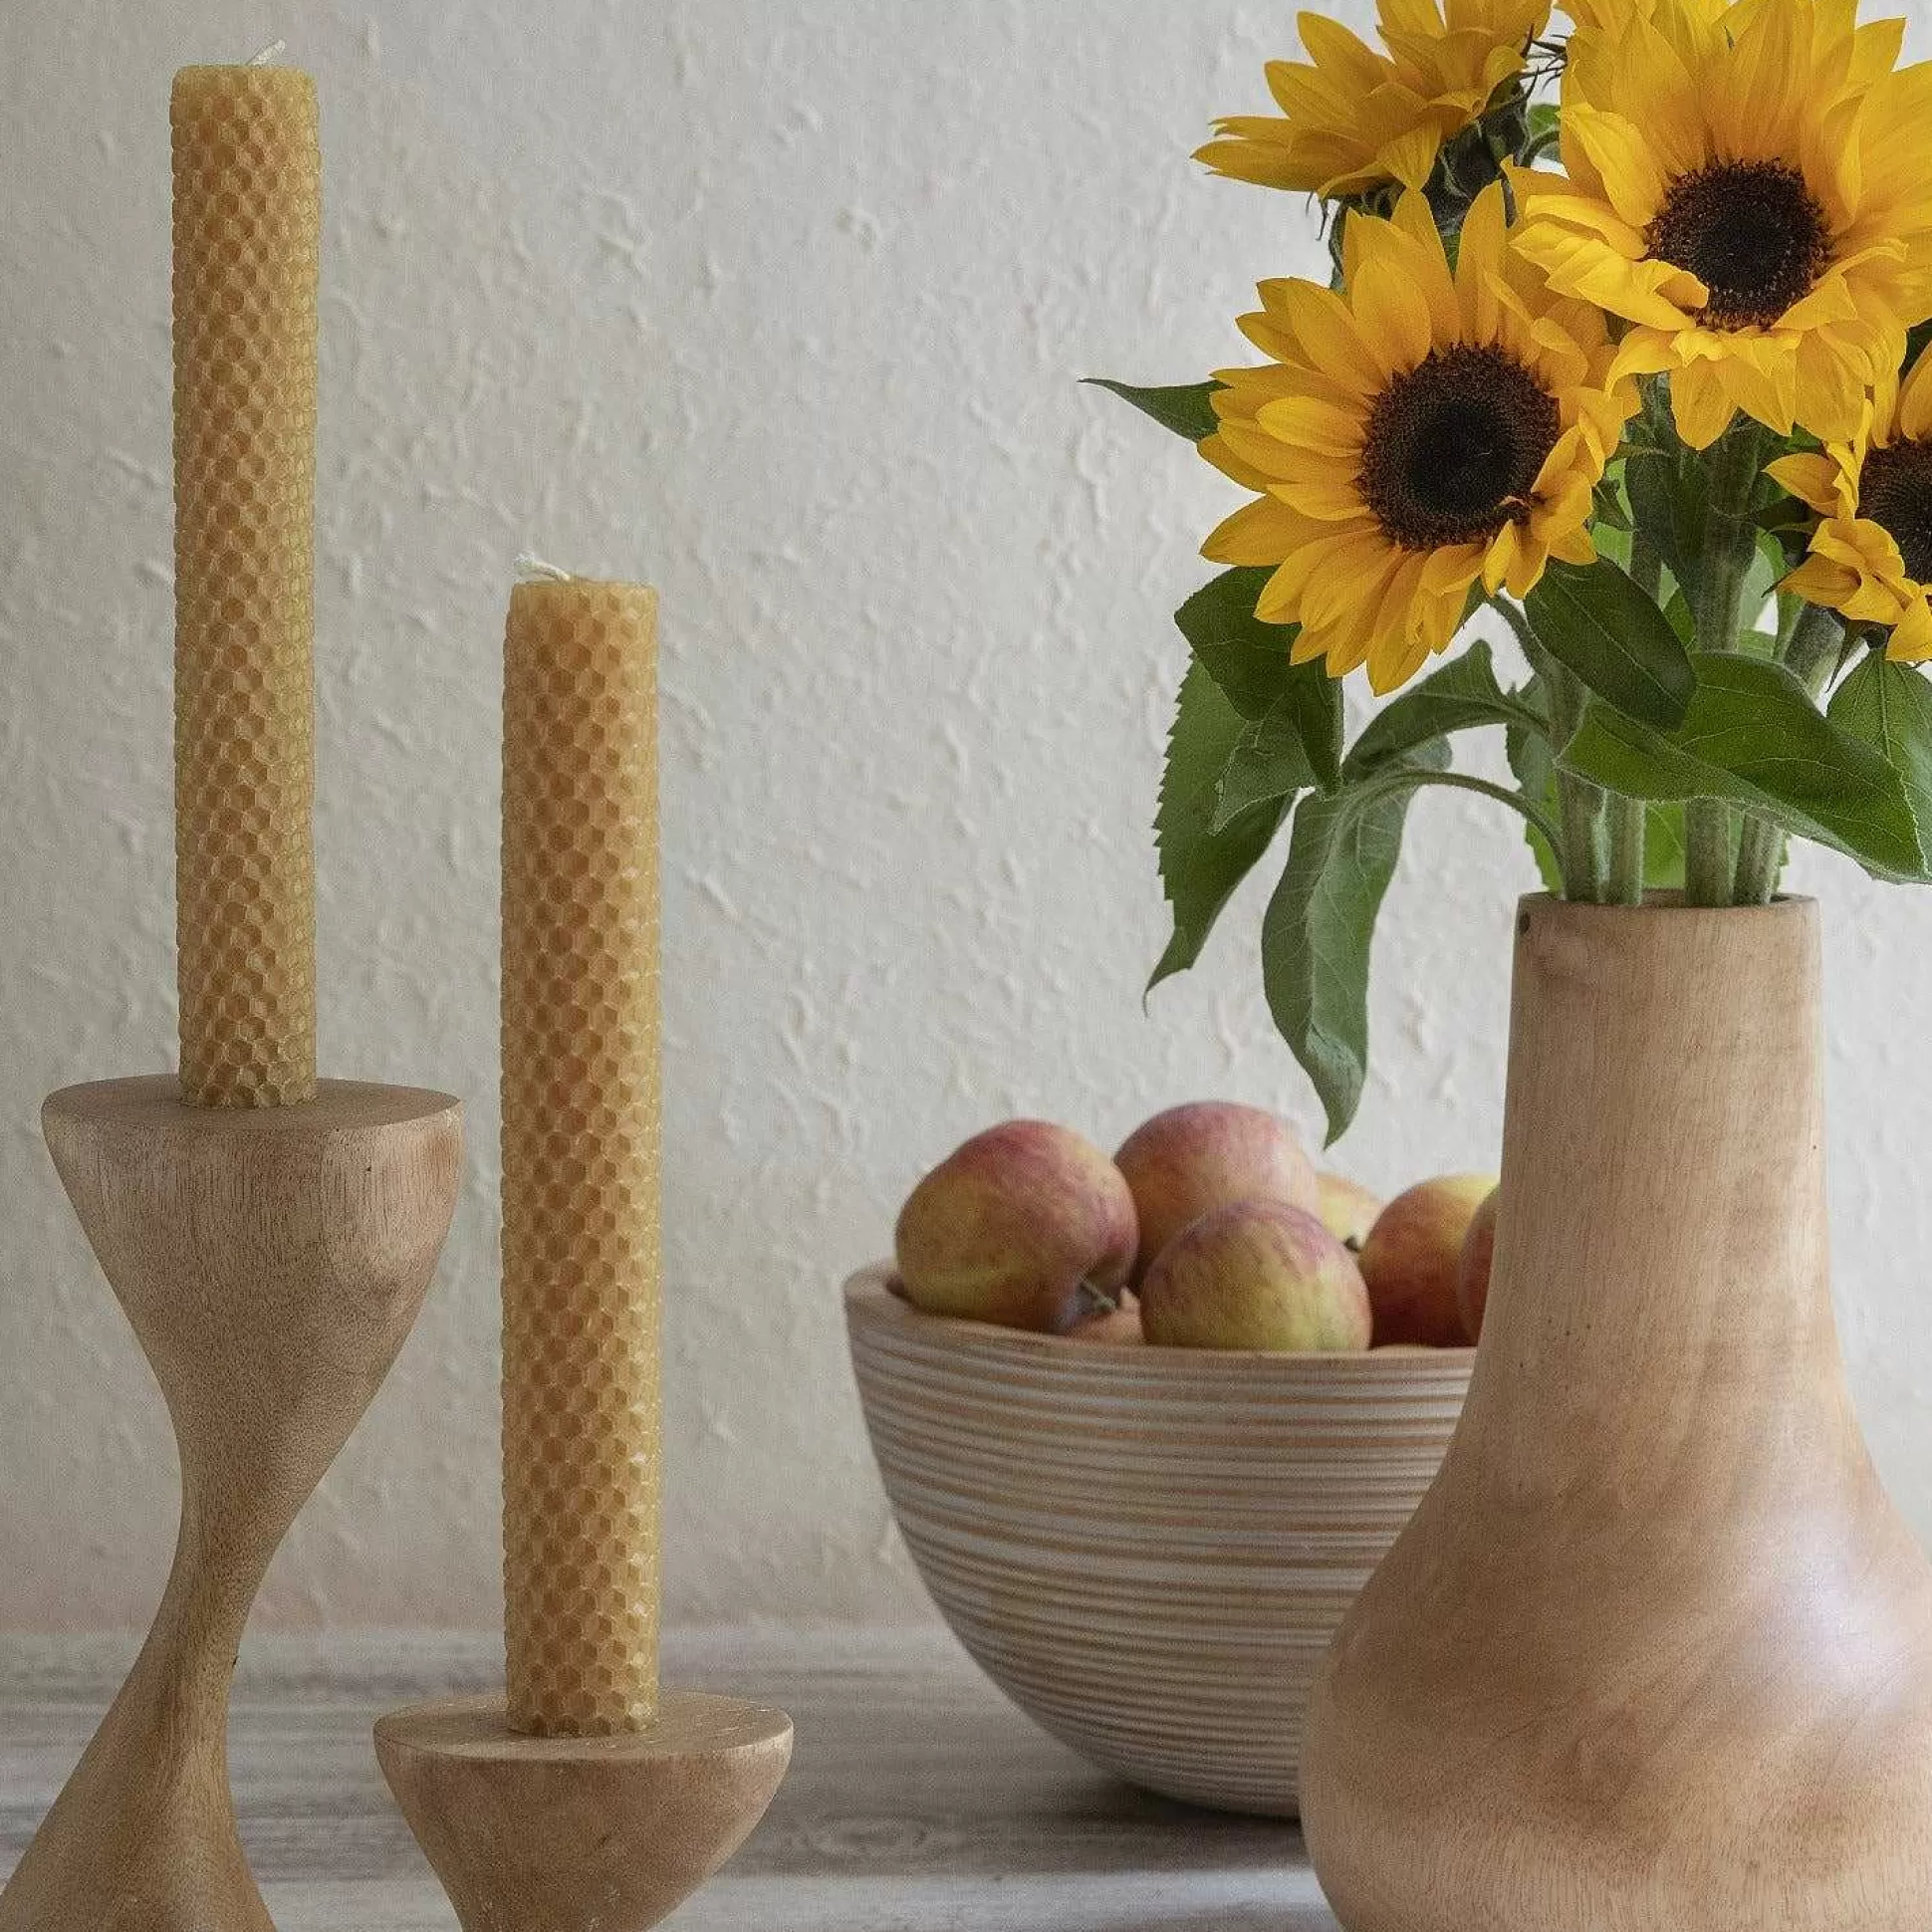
(919, 1800)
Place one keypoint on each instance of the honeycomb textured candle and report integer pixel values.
(581, 1109)
(247, 225)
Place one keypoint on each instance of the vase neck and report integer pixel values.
(1662, 1233)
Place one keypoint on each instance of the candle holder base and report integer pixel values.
(272, 1262)
(580, 1834)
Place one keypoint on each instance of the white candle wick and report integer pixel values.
(271, 51)
(532, 568)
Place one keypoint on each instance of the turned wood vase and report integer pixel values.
(1655, 1652)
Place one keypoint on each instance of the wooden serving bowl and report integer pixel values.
(1148, 1549)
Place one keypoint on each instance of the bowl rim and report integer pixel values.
(870, 1300)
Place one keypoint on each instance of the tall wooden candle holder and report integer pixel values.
(272, 1260)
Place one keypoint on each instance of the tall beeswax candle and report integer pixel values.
(580, 1266)
(247, 228)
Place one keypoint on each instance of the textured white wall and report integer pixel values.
(780, 305)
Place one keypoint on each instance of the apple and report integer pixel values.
(1118, 1327)
(1209, 1154)
(1472, 1271)
(1028, 1224)
(1255, 1275)
(1347, 1209)
(1412, 1260)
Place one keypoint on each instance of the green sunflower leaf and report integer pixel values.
(1250, 663)
(1663, 846)
(1202, 864)
(1596, 620)
(1534, 767)
(1186, 408)
(1753, 737)
(1463, 696)
(1269, 762)
(1889, 707)
(1668, 501)
(1320, 923)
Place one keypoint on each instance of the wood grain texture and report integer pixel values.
(919, 1800)
(580, 1834)
(271, 1262)
(1656, 1653)
(1148, 1549)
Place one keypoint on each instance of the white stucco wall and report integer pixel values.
(779, 304)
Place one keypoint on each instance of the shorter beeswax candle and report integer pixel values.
(580, 1265)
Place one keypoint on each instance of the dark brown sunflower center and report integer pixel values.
(1750, 232)
(1453, 447)
(1896, 492)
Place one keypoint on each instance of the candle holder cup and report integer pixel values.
(580, 1834)
(272, 1262)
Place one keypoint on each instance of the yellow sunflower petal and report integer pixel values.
(1483, 246)
(1701, 402)
(1820, 581)
(1869, 554)
(1332, 48)
(1326, 329)
(1393, 314)
(1258, 532)
(1624, 161)
(1412, 157)
(1914, 413)
(1762, 378)
(1347, 556)
(1831, 384)
(1911, 638)
(1815, 480)
(1752, 113)
(1307, 422)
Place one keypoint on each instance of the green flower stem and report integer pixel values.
(1627, 822)
(1629, 817)
(1813, 645)
(1580, 802)
(1707, 852)
(1731, 540)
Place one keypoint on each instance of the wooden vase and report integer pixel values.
(1655, 1652)
(272, 1260)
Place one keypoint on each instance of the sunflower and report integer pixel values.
(1752, 191)
(1415, 433)
(1354, 121)
(1871, 555)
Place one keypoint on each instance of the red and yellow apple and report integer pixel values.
(1028, 1224)
(1255, 1275)
(1210, 1154)
(1412, 1260)
(1347, 1209)
(1472, 1272)
(1118, 1327)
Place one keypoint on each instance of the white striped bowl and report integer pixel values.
(1148, 1549)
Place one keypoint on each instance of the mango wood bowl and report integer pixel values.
(1148, 1549)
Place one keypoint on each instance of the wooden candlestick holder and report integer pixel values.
(272, 1262)
(580, 1834)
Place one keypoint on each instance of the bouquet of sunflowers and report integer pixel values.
(1639, 368)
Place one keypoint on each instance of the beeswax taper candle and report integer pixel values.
(581, 1262)
(247, 229)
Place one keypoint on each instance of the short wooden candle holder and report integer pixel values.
(580, 1834)
(272, 1262)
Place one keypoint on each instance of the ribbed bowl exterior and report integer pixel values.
(1148, 1549)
